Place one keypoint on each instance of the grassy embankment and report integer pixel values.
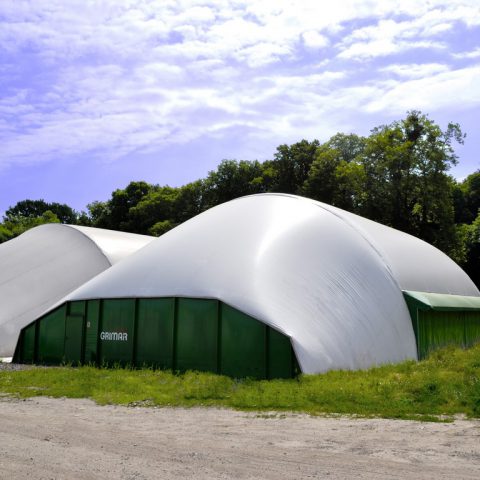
(445, 384)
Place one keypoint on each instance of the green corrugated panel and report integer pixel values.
(117, 331)
(76, 308)
(74, 338)
(197, 331)
(91, 331)
(280, 355)
(242, 344)
(51, 337)
(154, 334)
(28, 344)
(439, 329)
(472, 328)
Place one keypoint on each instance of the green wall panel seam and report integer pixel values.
(135, 331)
(219, 337)
(175, 335)
(267, 351)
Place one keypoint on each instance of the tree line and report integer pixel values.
(398, 176)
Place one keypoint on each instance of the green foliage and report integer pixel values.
(445, 384)
(292, 164)
(155, 208)
(37, 208)
(472, 248)
(231, 180)
(407, 184)
(160, 228)
(190, 201)
(335, 177)
(115, 214)
(17, 225)
(466, 197)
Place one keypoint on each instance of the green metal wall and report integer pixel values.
(243, 345)
(437, 329)
(51, 337)
(197, 335)
(28, 343)
(91, 332)
(174, 333)
(472, 328)
(118, 317)
(155, 331)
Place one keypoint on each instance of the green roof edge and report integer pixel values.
(441, 301)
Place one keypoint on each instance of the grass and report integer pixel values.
(444, 385)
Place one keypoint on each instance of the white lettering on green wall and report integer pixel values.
(114, 336)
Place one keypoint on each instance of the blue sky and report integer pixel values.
(94, 94)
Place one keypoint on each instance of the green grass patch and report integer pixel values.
(445, 384)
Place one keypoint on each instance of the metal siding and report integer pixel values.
(74, 327)
(118, 317)
(472, 328)
(76, 308)
(439, 329)
(154, 334)
(280, 361)
(51, 337)
(91, 331)
(242, 344)
(28, 344)
(197, 329)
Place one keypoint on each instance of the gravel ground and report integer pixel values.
(45, 439)
(15, 366)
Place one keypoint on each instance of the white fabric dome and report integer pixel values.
(41, 266)
(330, 280)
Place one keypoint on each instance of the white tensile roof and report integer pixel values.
(41, 266)
(330, 280)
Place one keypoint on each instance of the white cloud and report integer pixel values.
(423, 30)
(114, 77)
(415, 70)
(313, 39)
(453, 89)
(471, 54)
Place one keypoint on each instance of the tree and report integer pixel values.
(190, 201)
(334, 176)
(407, 186)
(36, 208)
(292, 164)
(160, 228)
(232, 179)
(15, 226)
(115, 213)
(472, 263)
(467, 198)
(156, 207)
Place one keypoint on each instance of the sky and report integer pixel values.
(95, 94)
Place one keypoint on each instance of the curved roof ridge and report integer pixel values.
(358, 231)
(337, 213)
(88, 237)
(108, 241)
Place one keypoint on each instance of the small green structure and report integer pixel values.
(440, 320)
(172, 333)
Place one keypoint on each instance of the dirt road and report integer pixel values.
(47, 439)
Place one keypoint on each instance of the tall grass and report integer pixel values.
(445, 384)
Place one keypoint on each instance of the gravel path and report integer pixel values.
(47, 439)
